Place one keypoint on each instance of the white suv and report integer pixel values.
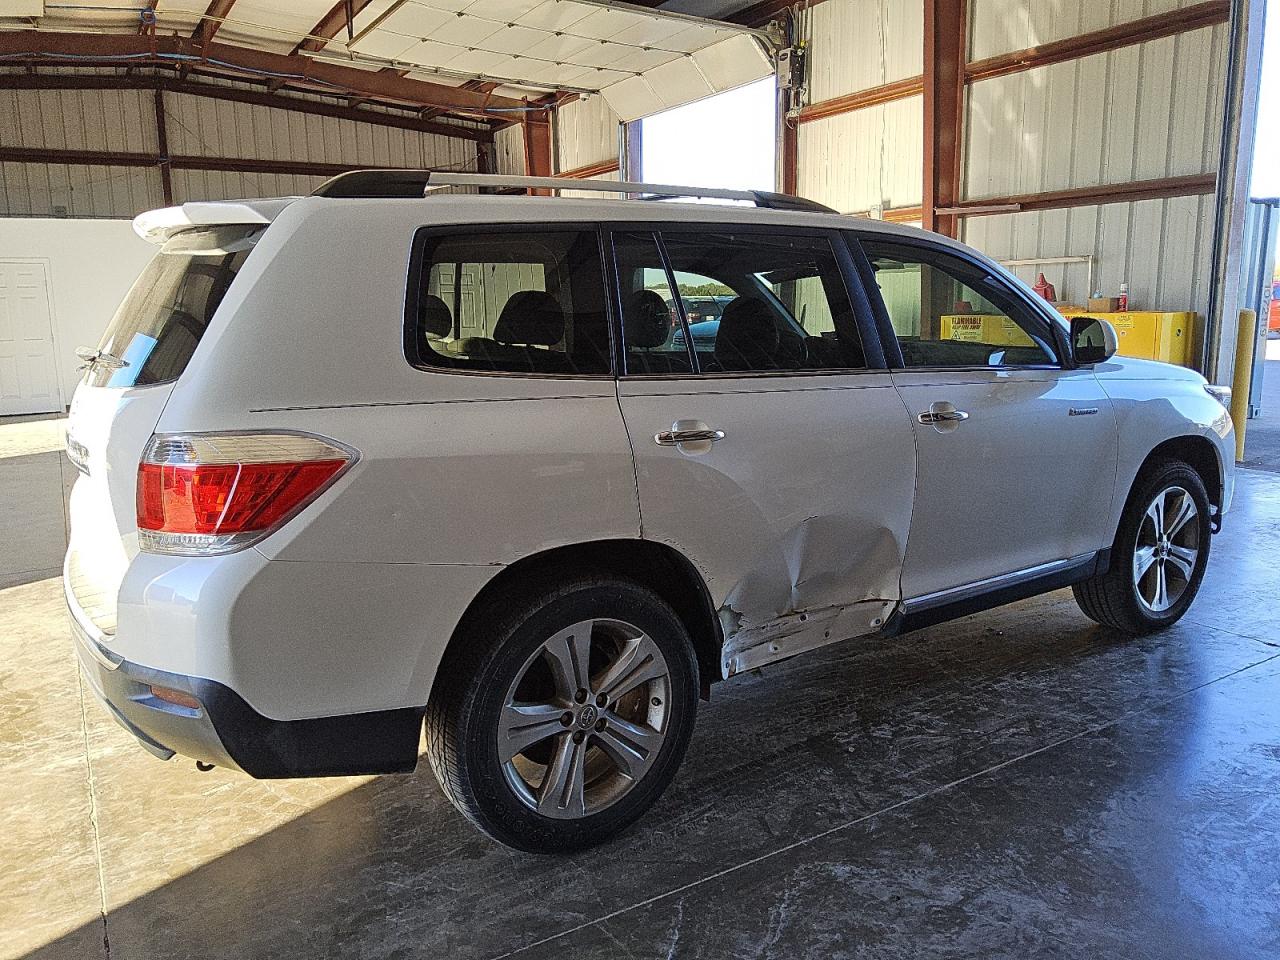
(366, 456)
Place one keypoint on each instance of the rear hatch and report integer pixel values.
(128, 379)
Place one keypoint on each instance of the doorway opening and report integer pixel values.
(727, 140)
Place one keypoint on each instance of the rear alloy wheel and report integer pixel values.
(585, 718)
(1159, 554)
(564, 713)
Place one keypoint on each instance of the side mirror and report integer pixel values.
(1092, 340)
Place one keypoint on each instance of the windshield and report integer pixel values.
(158, 326)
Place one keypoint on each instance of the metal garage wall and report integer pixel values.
(857, 44)
(586, 133)
(102, 120)
(873, 157)
(869, 158)
(998, 26)
(118, 120)
(199, 126)
(65, 190)
(1142, 112)
(508, 150)
(1161, 248)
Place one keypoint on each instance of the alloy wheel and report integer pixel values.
(585, 718)
(1167, 548)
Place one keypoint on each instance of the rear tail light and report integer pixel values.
(203, 494)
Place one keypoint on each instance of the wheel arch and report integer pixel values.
(657, 566)
(1198, 452)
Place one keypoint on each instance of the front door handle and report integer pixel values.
(942, 416)
(671, 438)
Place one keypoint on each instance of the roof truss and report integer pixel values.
(46, 47)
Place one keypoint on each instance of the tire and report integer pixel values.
(527, 649)
(1122, 600)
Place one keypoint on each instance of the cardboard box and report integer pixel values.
(1104, 304)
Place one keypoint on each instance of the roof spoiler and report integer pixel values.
(157, 226)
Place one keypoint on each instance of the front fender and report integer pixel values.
(1150, 412)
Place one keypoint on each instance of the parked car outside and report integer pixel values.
(351, 464)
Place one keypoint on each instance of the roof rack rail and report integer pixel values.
(417, 183)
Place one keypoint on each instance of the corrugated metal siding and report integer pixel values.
(124, 121)
(586, 132)
(864, 159)
(1140, 112)
(589, 195)
(856, 44)
(226, 185)
(62, 190)
(508, 150)
(199, 126)
(998, 26)
(117, 120)
(1161, 248)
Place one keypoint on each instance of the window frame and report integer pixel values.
(864, 321)
(1047, 327)
(422, 237)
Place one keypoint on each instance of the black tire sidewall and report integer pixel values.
(496, 807)
(1168, 475)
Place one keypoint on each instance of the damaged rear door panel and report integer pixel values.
(779, 459)
(797, 519)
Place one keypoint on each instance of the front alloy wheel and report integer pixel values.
(1159, 554)
(562, 711)
(1167, 549)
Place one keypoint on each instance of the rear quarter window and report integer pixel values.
(167, 310)
(518, 301)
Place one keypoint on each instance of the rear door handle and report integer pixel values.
(942, 416)
(670, 438)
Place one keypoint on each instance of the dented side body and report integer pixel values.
(798, 519)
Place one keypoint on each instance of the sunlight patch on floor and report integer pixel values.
(28, 437)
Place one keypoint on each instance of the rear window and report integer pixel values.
(509, 301)
(158, 326)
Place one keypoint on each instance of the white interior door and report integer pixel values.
(28, 375)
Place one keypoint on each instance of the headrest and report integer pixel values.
(434, 318)
(646, 320)
(530, 317)
(748, 336)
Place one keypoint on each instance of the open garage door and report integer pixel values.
(642, 61)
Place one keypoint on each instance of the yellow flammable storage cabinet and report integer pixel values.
(1149, 334)
(993, 328)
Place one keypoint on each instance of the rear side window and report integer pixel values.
(158, 326)
(509, 301)
(752, 302)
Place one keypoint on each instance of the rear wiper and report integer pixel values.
(91, 356)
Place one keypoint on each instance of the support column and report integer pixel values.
(537, 146)
(162, 148)
(945, 52)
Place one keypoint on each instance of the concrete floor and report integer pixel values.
(1019, 784)
(1262, 435)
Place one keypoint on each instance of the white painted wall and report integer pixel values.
(92, 264)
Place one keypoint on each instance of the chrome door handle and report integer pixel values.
(942, 416)
(669, 438)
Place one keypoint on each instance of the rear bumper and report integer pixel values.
(227, 732)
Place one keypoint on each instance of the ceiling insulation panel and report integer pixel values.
(641, 60)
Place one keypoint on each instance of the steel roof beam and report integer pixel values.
(86, 49)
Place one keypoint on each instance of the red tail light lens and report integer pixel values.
(205, 494)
